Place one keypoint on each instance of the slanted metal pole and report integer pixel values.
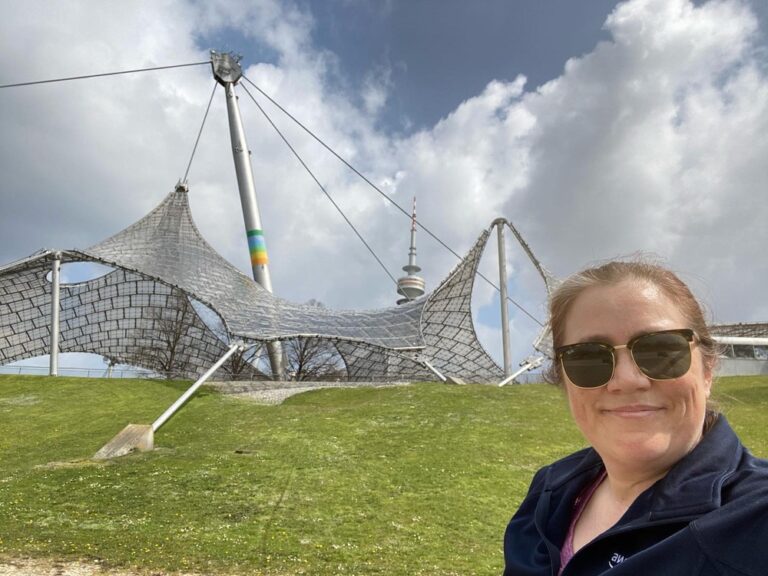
(55, 304)
(434, 370)
(192, 389)
(500, 223)
(529, 364)
(227, 71)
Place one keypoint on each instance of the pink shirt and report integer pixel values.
(566, 552)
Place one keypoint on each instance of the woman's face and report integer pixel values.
(633, 422)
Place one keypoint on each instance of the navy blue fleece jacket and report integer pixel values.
(707, 517)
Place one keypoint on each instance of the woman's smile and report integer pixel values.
(632, 411)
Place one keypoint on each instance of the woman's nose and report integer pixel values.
(626, 374)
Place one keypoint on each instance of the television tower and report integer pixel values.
(411, 286)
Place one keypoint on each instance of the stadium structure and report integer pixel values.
(163, 256)
(171, 300)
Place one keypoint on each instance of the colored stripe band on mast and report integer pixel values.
(257, 247)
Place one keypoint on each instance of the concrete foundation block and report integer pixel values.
(133, 437)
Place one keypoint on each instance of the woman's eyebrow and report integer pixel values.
(599, 338)
(605, 339)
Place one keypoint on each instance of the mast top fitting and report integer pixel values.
(226, 67)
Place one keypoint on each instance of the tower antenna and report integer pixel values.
(411, 286)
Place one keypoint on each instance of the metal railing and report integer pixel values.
(126, 372)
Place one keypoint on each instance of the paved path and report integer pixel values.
(269, 392)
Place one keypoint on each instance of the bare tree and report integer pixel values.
(313, 358)
(170, 324)
(243, 364)
(306, 357)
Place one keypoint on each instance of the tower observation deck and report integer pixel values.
(411, 286)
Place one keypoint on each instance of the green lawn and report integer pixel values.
(409, 480)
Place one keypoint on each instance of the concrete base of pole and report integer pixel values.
(454, 380)
(133, 437)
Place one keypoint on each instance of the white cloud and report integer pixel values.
(376, 88)
(655, 140)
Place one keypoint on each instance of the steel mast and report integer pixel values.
(500, 223)
(227, 72)
(55, 309)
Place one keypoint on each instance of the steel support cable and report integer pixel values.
(200, 132)
(208, 62)
(550, 281)
(308, 131)
(384, 195)
(348, 165)
(309, 171)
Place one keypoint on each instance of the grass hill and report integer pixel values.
(420, 479)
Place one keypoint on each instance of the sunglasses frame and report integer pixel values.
(687, 333)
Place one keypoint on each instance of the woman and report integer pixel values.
(666, 487)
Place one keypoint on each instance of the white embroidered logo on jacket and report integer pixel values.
(615, 560)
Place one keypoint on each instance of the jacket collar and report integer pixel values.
(692, 486)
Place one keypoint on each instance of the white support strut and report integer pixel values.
(528, 364)
(434, 370)
(192, 389)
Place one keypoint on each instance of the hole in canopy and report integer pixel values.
(80, 272)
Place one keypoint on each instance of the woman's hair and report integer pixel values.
(617, 271)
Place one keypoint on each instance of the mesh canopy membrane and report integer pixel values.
(137, 312)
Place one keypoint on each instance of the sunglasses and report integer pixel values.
(660, 355)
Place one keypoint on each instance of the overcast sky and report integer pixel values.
(598, 128)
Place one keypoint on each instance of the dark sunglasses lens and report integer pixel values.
(662, 356)
(588, 365)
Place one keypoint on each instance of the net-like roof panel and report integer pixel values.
(167, 245)
(162, 259)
